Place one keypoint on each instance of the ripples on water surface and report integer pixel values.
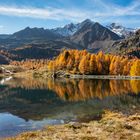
(29, 104)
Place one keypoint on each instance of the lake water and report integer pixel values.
(31, 104)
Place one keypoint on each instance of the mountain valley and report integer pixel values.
(40, 43)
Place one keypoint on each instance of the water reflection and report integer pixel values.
(78, 90)
(45, 101)
(75, 90)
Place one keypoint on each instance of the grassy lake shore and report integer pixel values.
(113, 125)
(105, 77)
(63, 74)
(43, 73)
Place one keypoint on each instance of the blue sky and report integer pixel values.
(18, 14)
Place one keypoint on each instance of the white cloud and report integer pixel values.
(46, 13)
(103, 11)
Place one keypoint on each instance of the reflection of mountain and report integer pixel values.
(38, 99)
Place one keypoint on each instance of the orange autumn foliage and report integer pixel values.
(31, 63)
(135, 69)
(82, 62)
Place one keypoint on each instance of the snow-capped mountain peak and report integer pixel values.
(121, 30)
(71, 28)
(67, 30)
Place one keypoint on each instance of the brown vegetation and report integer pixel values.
(112, 126)
(8, 54)
(31, 64)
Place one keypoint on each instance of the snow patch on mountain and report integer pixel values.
(71, 28)
(121, 30)
(67, 30)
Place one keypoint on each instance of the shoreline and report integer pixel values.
(112, 125)
(71, 76)
(21, 72)
(63, 74)
(105, 77)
